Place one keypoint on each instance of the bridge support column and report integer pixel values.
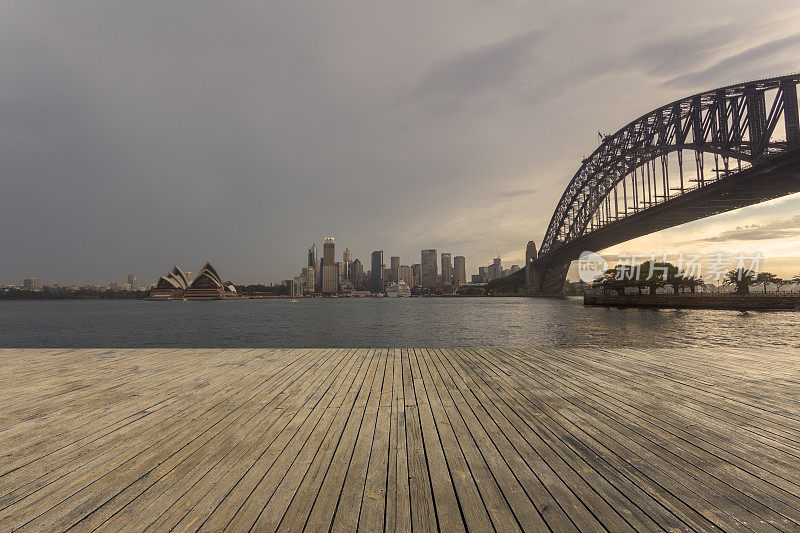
(531, 278)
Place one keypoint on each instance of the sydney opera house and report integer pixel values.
(207, 285)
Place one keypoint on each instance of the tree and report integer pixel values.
(742, 278)
(693, 282)
(654, 275)
(608, 281)
(766, 278)
(780, 282)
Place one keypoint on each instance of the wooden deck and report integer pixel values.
(422, 440)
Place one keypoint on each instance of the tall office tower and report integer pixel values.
(495, 269)
(330, 279)
(328, 252)
(395, 266)
(309, 275)
(406, 274)
(347, 264)
(320, 264)
(357, 273)
(377, 271)
(132, 282)
(416, 270)
(430, 272)
(312, 256)
(459, 270)
(447, 268)
(340, 271)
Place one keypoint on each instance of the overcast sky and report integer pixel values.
(139, 134)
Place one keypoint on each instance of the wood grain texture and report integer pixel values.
(400, 439)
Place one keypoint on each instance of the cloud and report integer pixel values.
(475, 71)
(518, 193)
(780, 229)
(730, 68)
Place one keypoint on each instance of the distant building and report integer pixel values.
(406, 274)
(309, 275)
(132, 282)
(495, 269)
(514, 268)
(171, 286)
(430, 272)
(328, 252)
(330, 279)
(377, 272)
(447, 268)
(32, 284)
(416, 269)
(357, 275)
(208, 285)
(347, 264)
(312, 256)
(459, 270)
(294, 287)
(395, 267)
(477, 278)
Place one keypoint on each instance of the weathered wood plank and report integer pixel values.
(563, 439)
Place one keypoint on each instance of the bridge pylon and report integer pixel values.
(531, 277)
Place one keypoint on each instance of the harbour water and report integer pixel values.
(381, 322)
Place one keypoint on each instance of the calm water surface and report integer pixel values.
(381, 322)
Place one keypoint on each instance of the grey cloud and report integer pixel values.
(517, 193)
(471, 72)
(731, 67)
(781, 229)
(136, 135)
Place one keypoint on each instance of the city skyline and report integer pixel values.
(134, 140)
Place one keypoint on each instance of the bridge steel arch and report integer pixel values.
(743, 142)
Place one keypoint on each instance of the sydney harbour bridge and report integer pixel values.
(699, 156)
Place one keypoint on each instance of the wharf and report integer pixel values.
(558, 439)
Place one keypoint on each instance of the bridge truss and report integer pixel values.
(724, 131)
(679, 149)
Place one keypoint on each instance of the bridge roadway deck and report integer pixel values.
(377, 439)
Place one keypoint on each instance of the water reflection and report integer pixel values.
(514, 322)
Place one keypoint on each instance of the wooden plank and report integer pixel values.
(398, 439)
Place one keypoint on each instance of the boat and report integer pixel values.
(398, 290)
(292, 300)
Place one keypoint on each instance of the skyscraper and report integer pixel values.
(416, 271)
(406, 274)
(357, 274)
(495, 269)
(132, 282)
(330, 279)
(312, 256)
(395, 266)
(459, 270)
(309, 275)
(347, 264)
(328, 252)
(377, 271)
(447, 268)
(430, 272)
